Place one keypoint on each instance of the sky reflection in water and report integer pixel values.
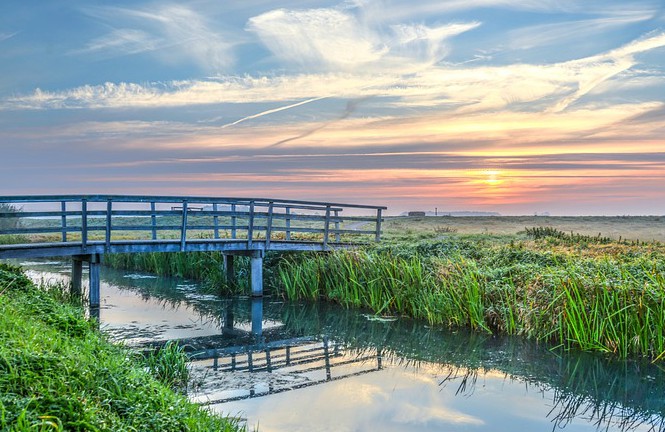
(357, 373)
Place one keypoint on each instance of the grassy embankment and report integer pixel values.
(58, 373)
(580, 291)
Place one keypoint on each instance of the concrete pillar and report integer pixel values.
(257, 316)
(256, 271)
(77, 276)
(229, 270)
(94, 280)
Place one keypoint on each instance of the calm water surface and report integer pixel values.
(303, 367)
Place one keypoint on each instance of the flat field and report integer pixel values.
(631, 228)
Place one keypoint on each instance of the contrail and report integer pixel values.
(350, 108)
(274, 110)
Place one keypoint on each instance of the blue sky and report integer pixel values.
(516, 106)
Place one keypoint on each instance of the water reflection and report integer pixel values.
(368, 373)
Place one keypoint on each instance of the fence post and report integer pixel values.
(109, 209)
(215, 219)
(63, 208)
(378, 225)
(250, 225)
(338, 237)
(269, 225)
(326, 229)
(233, 221)
(183, 229)
(153, 220)
(84, 224)
(288, 224)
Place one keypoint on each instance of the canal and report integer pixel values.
(316, 367)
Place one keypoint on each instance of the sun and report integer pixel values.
(491, 177)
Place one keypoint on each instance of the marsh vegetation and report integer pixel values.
(594, 292)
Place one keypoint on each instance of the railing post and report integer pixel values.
(338, 238)
(63, 208)
(378, 225)
(269, 225)
(109, 210)
(233, 221)
(84, 224)
(326, 229)
(153, 220)
(288, 224)
(250, 225)
(183, 229)
(215, 219)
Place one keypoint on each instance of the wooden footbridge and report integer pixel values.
(85, 227)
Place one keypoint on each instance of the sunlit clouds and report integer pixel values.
(511, 106)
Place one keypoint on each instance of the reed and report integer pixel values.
(612, 303)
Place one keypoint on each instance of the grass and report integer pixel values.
(587, 293)
(58, 373)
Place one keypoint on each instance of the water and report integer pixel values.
(304, 367)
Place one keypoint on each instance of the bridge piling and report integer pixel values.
(229, 270)
(94, 263)
(256, 272)
(77, 276)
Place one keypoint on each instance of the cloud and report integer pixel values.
(461, 89)
(5, 36)
(174, 33)
(572, 31)
(121, 42)
(317, 38)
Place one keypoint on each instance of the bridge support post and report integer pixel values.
(77, 276)
(95, 263)
(257, 316)
(256, 271)
(229, 271)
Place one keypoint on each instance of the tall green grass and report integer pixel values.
(608, 304)
(57, 373)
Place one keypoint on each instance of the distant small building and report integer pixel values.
(416, 213)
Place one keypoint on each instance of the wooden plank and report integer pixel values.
(176, 199)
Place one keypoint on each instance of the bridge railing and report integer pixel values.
(87, 219)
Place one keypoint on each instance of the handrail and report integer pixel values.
(188, 222)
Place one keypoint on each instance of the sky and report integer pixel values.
(510, 106)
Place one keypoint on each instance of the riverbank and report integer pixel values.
(57, 372)
(596, 292)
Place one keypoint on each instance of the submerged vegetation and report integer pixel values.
(58, 373)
